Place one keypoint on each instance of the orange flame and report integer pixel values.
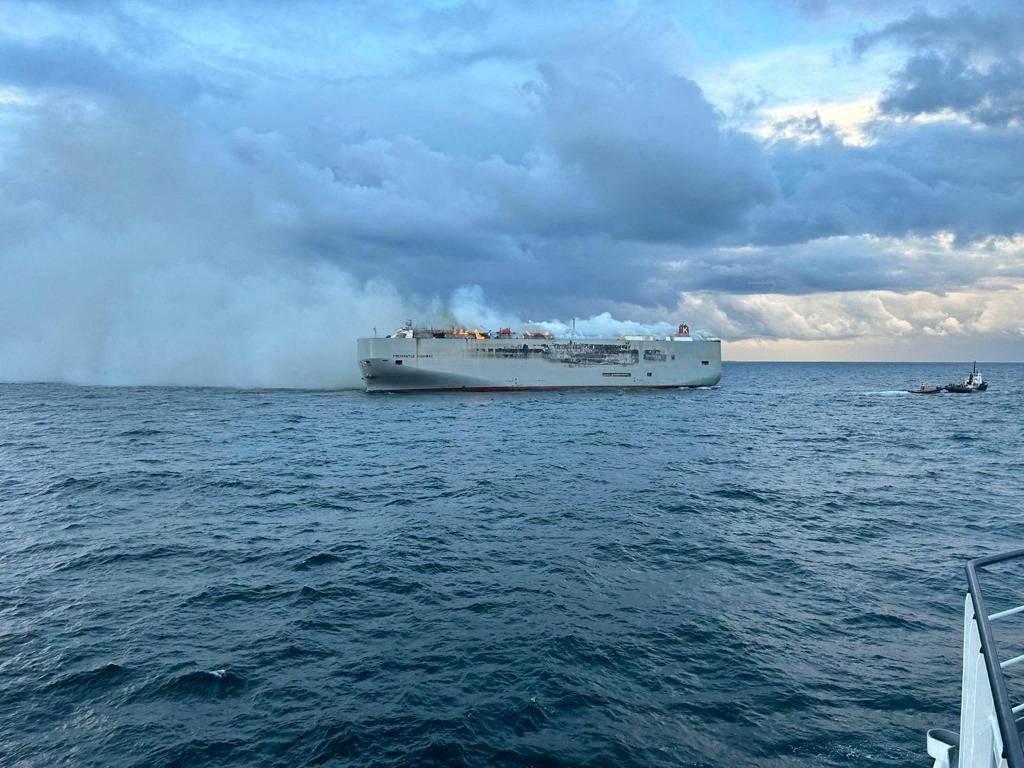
(472, 333)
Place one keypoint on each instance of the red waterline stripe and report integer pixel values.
(537, 388)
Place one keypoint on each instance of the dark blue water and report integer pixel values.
(768, 573)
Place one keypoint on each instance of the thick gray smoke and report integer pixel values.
(134, 255)
(187, 321)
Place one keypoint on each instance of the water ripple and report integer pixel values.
(716, 578)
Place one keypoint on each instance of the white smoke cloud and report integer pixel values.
(188, 322)
(150, 266)
(469, 307)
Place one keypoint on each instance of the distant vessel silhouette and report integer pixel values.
(973, 383)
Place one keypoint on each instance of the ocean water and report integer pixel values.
(767, 573)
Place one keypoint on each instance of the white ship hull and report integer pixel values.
(456, 364)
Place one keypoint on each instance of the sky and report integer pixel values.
(229, 193)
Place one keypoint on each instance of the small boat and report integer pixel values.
(973, 383)
(925, 389)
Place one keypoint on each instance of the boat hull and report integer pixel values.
(498, 365)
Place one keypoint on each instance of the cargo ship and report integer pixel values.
(418, 359)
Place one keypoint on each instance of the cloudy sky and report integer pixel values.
(230, 192)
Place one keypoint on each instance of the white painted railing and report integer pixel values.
(989, 735)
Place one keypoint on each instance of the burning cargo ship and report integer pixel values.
(417, 359)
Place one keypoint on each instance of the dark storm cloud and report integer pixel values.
(844, 264)
(915, 179)
(966, 62)
(619, 159)
(996, 29)
(63, 64)
(655, 155)
(631, 170)
(930, 83)
(56, 63)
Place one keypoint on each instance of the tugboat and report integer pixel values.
(973, 383)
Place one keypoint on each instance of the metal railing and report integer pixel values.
(1011, 750)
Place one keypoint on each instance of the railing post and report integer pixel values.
(980, 743)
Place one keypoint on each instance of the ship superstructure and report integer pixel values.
(422, 359)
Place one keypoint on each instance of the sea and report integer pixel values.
(764, 573)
